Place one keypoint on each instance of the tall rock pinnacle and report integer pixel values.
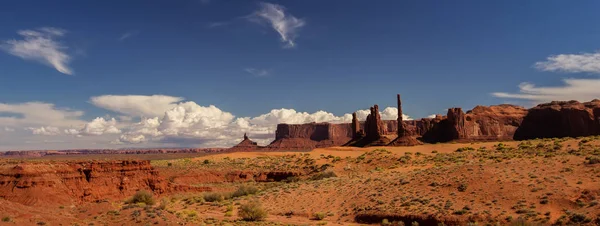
(401, 129)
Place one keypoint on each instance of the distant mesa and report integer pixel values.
(483, 123)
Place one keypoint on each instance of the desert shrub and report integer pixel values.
(593, 160)
(323, 175)
(252, 211)
(385, 222)
(462, 187)
(142, 196)
(6, 219)
(213, 197)
(193, 199)
(579, 218)
(463, 149)
(291, 179)
(319, 216)
(206, 162)
(245, 190)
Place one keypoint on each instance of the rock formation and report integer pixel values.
(480, 124)
(401, 129)
(403, 138)
(311, 135)
(246, 145)
(561, 119)
(357, 133)
(30, 183)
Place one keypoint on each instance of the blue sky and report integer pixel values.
(248, 58)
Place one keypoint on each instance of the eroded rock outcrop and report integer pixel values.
(404, 138)
(483, 123)
(30, 183)
(246, 145)
(561, 119)
(311, 135)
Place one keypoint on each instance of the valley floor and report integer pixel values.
(537, 182)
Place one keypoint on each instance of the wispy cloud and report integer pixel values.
(217, 24)
(258, 72)
(128, 34)
(41, 45)
(571, 63)
(285, 24)
(573, 89)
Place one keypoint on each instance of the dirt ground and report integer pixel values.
(538, 182)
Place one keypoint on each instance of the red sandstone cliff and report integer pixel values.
(561, 119)
(28, 183)
(311, 135)
(483, 123)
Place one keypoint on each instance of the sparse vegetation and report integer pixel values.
(142, 196)
(245, 190)
(252, 211)
(319, 216)
(323, 175)
(213, 197)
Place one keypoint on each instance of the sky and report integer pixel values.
(200, 73)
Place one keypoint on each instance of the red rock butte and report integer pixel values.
(482, 123)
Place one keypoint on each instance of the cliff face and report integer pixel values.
(480, 124)
(311, 135)
(30, 183)
(561, 119)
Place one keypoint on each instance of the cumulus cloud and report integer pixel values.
(41, 45)
(285, 24)
(571, 63)
(192, 124)
(47, 130)
(389, 113)
(573, 89)
(100, 126)
(257, 72)
(183, 124)
(136, 105)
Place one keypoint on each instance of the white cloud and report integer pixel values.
(41, 45)
(573, 89)
(209, 126)
(47, 130)
(183, 124)
(100, 126)
(257, 72)
(136, 105)
(571, 63)
(285, 24)
(8, 129)
(389, 113)
(38, 114)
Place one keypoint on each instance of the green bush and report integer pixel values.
(213, 197)
(245, 190)
(323, 175)
(252, 211)
(142, 196)
(319, 216)
(6, 219)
